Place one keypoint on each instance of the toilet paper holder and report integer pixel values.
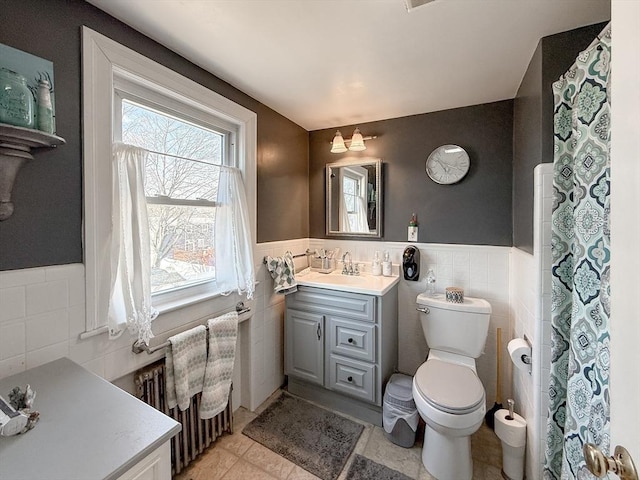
(526, 359)
(520, 351)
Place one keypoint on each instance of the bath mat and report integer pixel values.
(313, 438)
(364, 469)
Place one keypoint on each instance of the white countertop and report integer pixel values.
(364, 283)
(88, 428)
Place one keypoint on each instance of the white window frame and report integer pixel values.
(105, 63)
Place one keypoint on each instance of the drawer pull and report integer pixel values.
(319, 332)
(350, 340)
(350, 379)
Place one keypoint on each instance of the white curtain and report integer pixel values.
(233, 245)
(130, 300)
(362, 225)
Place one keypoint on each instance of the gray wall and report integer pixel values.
(475, 211)
(533, 120)
(46, 227)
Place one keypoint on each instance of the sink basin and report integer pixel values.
(364, 283)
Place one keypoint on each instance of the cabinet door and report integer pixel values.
(304, 346)
(352, 339)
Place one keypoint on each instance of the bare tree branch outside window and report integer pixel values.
(181, 236)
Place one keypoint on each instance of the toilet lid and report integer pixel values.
(449, 387)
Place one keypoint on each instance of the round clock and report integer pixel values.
(447, 164)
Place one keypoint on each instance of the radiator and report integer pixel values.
(196, 434)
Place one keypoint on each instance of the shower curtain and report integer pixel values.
(579, 380)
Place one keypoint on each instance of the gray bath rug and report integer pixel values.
(364, 469)
(313, 438)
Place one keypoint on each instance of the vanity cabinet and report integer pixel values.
(341, 348)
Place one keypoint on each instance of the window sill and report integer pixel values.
(171, 305)
(167, 306)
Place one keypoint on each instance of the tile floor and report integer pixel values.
(237, 457)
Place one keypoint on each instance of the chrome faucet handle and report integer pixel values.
(356, 271)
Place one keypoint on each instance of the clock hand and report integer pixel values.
(444, 167)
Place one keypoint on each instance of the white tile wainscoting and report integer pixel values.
(531, 309)
(42, 312)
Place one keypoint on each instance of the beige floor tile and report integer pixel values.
(424, 474)
(381, 450)
(222, 461)
(237, 443)
(299, 473)
(485, 471)
(269, 461)
(243, 470)
(217, 462)
(241, 417)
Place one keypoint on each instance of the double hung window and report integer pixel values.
(190, 134)
(182, 170)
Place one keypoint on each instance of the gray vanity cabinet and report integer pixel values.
(341, 348)
(304, 355)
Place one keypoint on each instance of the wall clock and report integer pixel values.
(447, 164)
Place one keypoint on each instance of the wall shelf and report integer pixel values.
(16, 145)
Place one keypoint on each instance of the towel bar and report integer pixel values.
(139, 347)
(305, 254)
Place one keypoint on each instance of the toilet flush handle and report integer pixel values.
(424, 310)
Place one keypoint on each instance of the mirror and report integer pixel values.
(354, 198)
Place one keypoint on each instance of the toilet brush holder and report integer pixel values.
(511, 429)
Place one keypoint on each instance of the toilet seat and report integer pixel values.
(449, 387)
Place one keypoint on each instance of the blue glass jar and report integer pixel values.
(16, 100)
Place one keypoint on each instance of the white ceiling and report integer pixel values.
(326, 63)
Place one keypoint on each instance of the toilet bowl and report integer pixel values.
(448, 394)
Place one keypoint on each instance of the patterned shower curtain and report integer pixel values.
(579, 383)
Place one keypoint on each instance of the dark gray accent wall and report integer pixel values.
(533, 120)
(46, 227)
(476, 211)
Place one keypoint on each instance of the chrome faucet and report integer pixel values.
(347, 270)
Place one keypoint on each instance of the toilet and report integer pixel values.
(448, 393)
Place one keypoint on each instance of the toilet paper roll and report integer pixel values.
(520, 353)
(513, 431)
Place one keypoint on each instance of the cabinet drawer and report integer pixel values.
(352, 339)
(352, 378)
(356, 306)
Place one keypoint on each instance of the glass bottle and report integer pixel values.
(16, 100)
(45, 108)
(431, 283)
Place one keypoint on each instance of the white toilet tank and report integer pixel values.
(459, 328)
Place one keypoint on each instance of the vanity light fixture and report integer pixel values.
(356, 142)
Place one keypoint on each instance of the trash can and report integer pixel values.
(399, 413)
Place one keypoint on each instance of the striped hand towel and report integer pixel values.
(185, 366)
(223, 333)
(282, 271)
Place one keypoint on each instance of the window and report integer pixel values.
(180, 193)
(129, 97)
(354, 191)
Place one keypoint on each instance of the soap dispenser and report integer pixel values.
(411, 263)
(376, 266)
